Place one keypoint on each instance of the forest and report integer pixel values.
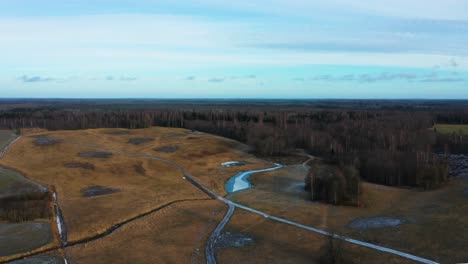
(386, 142)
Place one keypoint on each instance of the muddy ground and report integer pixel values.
(98, 191)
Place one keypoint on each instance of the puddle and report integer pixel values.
(97, 191)
(45, 141)
(375, 222)
(167, 149)
(101, 155)
(229, 240)
(139, 141)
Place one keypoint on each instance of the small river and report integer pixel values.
(241, 182)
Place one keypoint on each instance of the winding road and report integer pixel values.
(210, 252)
(211, 259)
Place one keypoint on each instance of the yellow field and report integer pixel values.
(144, 184)
(176, 234)
(450, 129)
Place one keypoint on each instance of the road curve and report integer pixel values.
(190, 178)
(210, 250)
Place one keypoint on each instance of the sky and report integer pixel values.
(234, 49)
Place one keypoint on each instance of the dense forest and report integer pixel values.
(385, 143)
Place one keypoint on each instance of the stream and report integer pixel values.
(241, 182)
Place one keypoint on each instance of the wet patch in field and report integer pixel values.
(82, 165)
(99, 155)
(139, 141)
(172, 135)
(45, 141)
(375, 222)
(119, 132)
(167, 149)
(234, 240)
(98, 191)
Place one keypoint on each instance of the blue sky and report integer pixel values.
(234, 49)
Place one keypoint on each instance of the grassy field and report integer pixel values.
(450, 129)
(24, 237)
(5, 137)
(61, 159)
(278, 243)
(433, 220)
(176, 234)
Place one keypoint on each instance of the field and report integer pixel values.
(175, 234)
(122, 204)
(89, 181)
(6, 136)
(279, 243)
(432, 220)
(450, 129)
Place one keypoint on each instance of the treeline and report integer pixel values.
(392, 147)
(26, 206)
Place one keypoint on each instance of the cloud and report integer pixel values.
(190, 78)
(216, 80)
(121, 78)
(35, 79)
(382, 77)
(453, 63)
(127, 78)
(250, 76)
(298, 79)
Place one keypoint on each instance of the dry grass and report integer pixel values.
(435, 220)
(175, 234)
(145, 184)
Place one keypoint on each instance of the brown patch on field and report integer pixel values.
(161, 185)
(433, 223)
(82, 165)
(140, 169)
(99, 155)
(175, 234)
